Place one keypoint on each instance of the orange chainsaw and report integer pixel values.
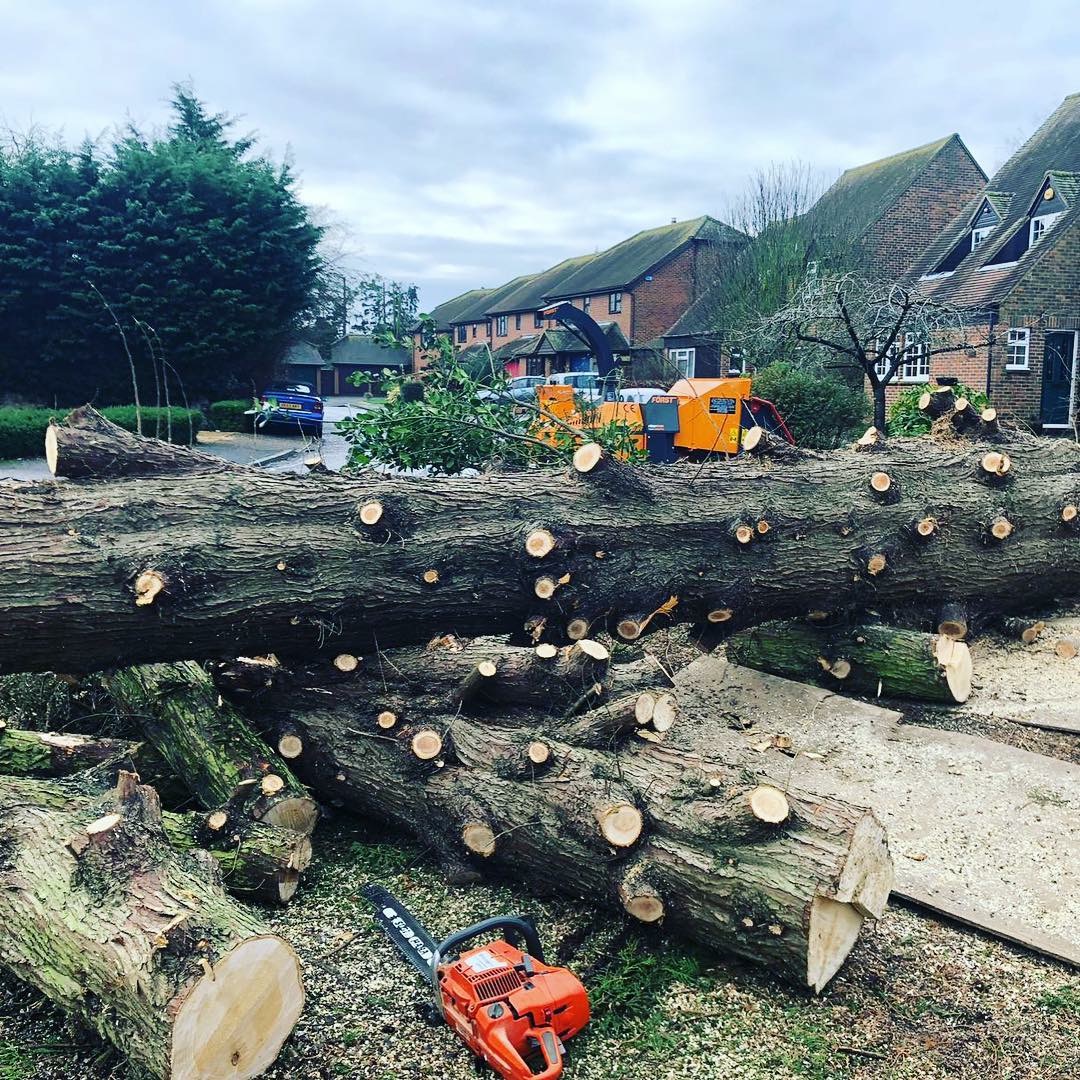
(509, 1007)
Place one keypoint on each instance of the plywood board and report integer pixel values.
(987, 833)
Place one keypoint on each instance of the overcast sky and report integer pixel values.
(462, 143)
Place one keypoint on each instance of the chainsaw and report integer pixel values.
(511, 1009)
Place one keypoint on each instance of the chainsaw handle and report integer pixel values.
(503, 1055)
(514, 923)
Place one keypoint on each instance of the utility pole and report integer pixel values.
(344, 306)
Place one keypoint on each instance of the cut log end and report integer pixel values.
(1068, 648)
(147, 587)
(217, 820)
(880, 482)
(642, 902)
(926, 527)
(431, 577)
(52, 448)
(346, 662)
(386, 720)
(426, 745)
(955, 660)
(546, 651)
(1001, 528)
(298, 814)
(996, 464)
(720, 615)
(587, 457)
(290, 746)
(840, 669)
(876, 564)
(620, 824)
(629, 628)
(235, 1020)
(594, 650)
(833, 931)
(576, 629)
(743, 533)
(664, 713)
(539, 543)
(479, 839)
(103, 825)
(769, 804)
(539, 753)
(371, 512)
(1070, 513)
(545, 587)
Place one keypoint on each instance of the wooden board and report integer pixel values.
(980, 831)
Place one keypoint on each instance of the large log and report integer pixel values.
(740, 862)
(205, 741)
(41, 753)
(238, 562)
(865, 659)
(138, 943)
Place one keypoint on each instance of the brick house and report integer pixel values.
(359, 354)
(878, 217)
(634, 290)
(442, 316)
(1011, 261)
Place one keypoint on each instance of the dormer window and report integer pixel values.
(1040, 226)
(979, 235)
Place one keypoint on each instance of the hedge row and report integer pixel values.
(229, 415)
(22, 431)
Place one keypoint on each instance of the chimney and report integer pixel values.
(674, 221)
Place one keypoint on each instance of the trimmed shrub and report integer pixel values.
(186, 423)
(820, 411)
(904, 415)
(22, 431)
(229, 415)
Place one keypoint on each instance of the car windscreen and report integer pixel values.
(289, 388)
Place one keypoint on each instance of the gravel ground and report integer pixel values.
(917, 1000)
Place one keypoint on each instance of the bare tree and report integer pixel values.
(879, 327)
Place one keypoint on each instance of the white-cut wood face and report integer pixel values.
(834, 928)
(234, 1021)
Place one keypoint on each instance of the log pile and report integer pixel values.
(437, 654)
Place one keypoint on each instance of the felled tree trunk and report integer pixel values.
(746, 865)
(86, 446)
(224, 763)
(138, 943)
(863, 659)
(39, 753)
(238, 562)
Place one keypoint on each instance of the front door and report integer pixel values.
(1059, 356)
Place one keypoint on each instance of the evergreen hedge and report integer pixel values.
(820, 411)
(229, 415)
(22, 430)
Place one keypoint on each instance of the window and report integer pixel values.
(1017, 350)
(979, 235)
(1040, 226)
(517, 322)
(538, 321)
(500, 326)
(915, 365)
(684, 360)
(474, 329)
(586, 303)
(461, 333)
(614, 303)
(487, 328)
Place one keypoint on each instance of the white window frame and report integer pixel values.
(501, 326)
(614, 303)
(685, 360)
(979, 236)
(1040, 226)
(1018, 342)
(914, 368)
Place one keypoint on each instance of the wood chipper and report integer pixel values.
(694, 418)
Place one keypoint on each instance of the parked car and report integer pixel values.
(290, 403)
(585, 383)
(521, 388)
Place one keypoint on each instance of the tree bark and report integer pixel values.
(86, 446)
(39, 753)
(244, 563)
(138, 943)
(656, 832)
(208, 743)
(862, 659)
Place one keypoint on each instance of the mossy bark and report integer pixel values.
(210, 745)
(866, 659)
(244, 563)
(103, 918)
(39, 753)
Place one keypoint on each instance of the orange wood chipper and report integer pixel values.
(694, 418)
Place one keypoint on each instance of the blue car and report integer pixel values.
(294, 404)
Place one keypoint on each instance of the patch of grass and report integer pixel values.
(17, 1063)
(1045, 797)
(628, 986)
(808, 1049)
(1066, 999)
(379, 860)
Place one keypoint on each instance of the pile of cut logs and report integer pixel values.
(461, 659)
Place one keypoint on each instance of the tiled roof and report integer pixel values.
(445, 312)
(623, 264)
(862, 195)
(558, 340)
(363, 349)
(1054, 152)
(302, 353)
(522, 346)
(476, 311)
(530, 295)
